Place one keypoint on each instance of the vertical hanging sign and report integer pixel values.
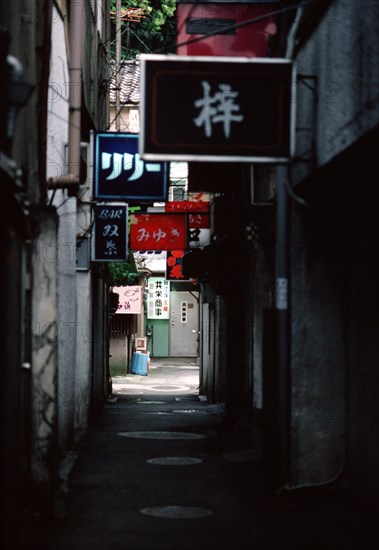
(111, 236)
(158, 306)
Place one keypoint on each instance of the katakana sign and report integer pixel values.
(158, 232)
(110, 234)
(197, 211)
(158, 302)
(121, 174)
(216, 108)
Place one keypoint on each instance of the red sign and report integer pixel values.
(198, 220)
(158, 232)
(174, 266)
(187, 206)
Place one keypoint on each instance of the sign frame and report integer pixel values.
(166, 219)
(150, 149)
(98, 192)
(113, 229)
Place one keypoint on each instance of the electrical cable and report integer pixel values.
(237, 25)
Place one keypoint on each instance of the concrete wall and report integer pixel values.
(342, 53)
(119, 355)
(334, 285)
(44, 357)
(65, 251)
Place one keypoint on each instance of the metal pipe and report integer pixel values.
(77, 13)
(118, 64)
(43, 101)
(282, 288)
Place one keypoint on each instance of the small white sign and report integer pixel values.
(281, 293)
(158, 306)
(130, 299)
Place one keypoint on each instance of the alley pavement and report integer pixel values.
(161, 470)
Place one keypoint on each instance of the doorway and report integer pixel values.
(184, 324)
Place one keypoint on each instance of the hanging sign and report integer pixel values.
(198, 220)
(158, 303)
(198, 237)
(121, 174)
(174, 270)
(187, 206)
(229, 109)
(130, 299)
(158, 232)
(110, 234)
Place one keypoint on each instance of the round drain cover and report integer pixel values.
(151, 402)
(161, 435)
(188, 411)
(175, 460)
(248, 455)
(176, 512)
(164, 387)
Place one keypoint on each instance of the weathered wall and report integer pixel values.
(66, 317)
(64, 254)
(119, 355)
(44, 357)
(23, 20)
(334, 285)
(342, 53)
(318, 362)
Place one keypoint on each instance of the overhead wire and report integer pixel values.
(238, 25)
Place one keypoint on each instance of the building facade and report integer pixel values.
(53, 369)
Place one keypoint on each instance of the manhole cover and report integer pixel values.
(176, 512)
(151, 402)
(162, 387)
(248, 455)
(161, 435)
(175, 460)
(159, 412)
(188, 411)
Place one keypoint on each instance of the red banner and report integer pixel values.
(158, 232)
(187, 206)
(198, 220)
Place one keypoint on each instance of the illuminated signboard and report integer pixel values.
(158, 303)
(110, 241)
(158, 232)
(121, 174)
(212, 109)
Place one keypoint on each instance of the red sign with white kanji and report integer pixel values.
(158, 232)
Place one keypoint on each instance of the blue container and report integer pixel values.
(140, 362)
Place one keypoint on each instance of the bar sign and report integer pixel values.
(111, 236)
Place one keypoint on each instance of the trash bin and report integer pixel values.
(140, 363)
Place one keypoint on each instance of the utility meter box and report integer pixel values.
(243, 28)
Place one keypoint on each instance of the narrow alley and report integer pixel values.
(162, 470)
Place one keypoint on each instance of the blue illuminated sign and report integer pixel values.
(120, 173)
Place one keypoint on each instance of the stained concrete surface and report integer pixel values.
(111, 481)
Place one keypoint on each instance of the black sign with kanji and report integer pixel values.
(111, 232)
(216, 108)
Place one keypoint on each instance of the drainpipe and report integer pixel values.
(284, 176)
(71, 180)
(75, 98)
(42, 127)
(281, 302)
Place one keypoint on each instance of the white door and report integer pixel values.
(184, 324)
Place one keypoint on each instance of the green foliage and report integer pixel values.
(123, 273)
(155, 31)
